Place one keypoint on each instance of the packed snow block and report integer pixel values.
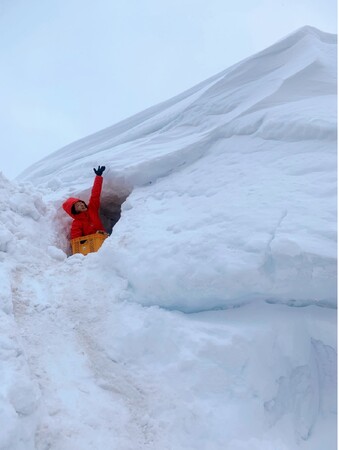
(87, 244)
(180, 247)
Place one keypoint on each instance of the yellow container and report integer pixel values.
(87, 244)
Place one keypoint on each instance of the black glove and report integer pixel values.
(99, 170)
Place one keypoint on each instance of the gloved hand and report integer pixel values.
(99, 170)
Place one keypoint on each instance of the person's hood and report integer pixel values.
(67, 205)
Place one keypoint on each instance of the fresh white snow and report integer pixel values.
(207, 320)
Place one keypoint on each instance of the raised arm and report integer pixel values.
(94, 201)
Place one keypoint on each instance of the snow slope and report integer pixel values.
(240, 171)
(207, 320)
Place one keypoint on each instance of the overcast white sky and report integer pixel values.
(72, 67)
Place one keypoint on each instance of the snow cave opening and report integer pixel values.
(110, 208)
(113, 195)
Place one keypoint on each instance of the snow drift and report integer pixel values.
(233, 184)
(228, 198)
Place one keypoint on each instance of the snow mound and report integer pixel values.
(228, 197)
(26, 231)
(232, 184)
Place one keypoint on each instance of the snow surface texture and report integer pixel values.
(183, 331)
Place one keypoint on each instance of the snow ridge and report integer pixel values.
(178, 334)
(223, 97)
(223, 158)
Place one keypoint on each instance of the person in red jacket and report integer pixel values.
(86, 217)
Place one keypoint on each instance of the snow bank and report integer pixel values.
(228, 229)
(233, 184)
(260, 376)
(25, 230)
(229, 195)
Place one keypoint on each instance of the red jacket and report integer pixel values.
(87, 222)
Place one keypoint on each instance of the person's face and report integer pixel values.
(80, 207)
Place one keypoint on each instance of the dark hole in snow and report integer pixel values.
(110, 210)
